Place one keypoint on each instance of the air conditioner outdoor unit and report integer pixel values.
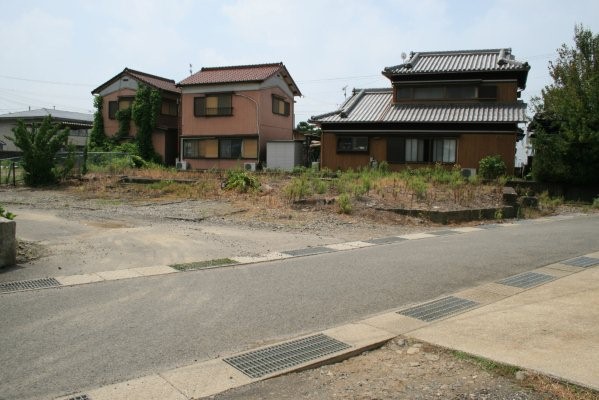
(181, 165)
(468, 172)
(249, 166)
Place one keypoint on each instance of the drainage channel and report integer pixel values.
(584, 262)
(80, 397)
(438, 308)
(33, 284)
(258, 363)
(526, 280)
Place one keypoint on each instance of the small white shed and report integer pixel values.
(284, 154)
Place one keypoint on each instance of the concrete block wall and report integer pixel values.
(8, 242)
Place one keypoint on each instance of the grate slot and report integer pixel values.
(80, 397)
(385, 240)
(583, 262)
(28, 285)
(258, 363)
(526, 280)
(308, 251)
(438, 308)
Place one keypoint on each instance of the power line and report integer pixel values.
(47, 82)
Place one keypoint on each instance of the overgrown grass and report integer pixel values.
(548, 204)
(219, 262)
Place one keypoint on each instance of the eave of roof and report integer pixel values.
(154, 81)
(69, 117)
(375, 106)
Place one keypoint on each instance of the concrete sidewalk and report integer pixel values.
(543, 320)
(551, 329)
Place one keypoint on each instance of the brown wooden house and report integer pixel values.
(119, 92)
(453, 108)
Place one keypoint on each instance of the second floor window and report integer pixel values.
(213, 105)
(280, 106)
(113, 107)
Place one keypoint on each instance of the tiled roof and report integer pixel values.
(458, 61)
(155, 81)
(375, 105)
(60, 115)
(238, 74)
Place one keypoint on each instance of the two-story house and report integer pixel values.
(119, 92)
(450, 107)
(230, 113)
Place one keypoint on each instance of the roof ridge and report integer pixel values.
(133, 71)
(465, 51)
(279, 64)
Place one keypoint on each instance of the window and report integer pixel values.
(125, 102)
(426, 93)
(213, 105)
(352, 144)
(487, 92)
(444, 150)
(280, 106)
(228, 148)
(417, 150)
(169, 108)
(414, 150)
(446, 92)
(113, 107)
(461, 92)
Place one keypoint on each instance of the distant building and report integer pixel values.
(78, 123)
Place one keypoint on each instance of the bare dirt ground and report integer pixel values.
(83, 228)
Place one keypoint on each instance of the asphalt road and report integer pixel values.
(59, 341)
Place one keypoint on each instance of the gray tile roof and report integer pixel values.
(458, 61)
(60, 115)
(375, 105)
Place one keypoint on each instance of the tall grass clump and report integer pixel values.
(241, 181)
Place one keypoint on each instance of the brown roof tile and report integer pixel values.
(155, 81)
(239, 73)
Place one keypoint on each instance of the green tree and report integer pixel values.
(566, 123)
(97, 136)
(308, 128)
(144, 112)
(40, 145)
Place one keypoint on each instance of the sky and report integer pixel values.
(54, 53)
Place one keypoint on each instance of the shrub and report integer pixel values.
(39, 145)
(491, 167)
(595, 203)
(344, 202)
(241, 181)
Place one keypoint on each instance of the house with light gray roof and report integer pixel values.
(78, 123)
(447, 107)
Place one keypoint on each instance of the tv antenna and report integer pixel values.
(403, 55)
(344, 88)
(190, 69)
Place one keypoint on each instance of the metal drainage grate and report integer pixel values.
(385, 240)
(526, 280)
(438, 308)
(444, 233)
(28, 285)
(80, 397)
(308, 251)
(583, 262)
(258, 363)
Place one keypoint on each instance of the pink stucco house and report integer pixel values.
(228, 114)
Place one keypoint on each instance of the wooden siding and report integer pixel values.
(471, 148)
